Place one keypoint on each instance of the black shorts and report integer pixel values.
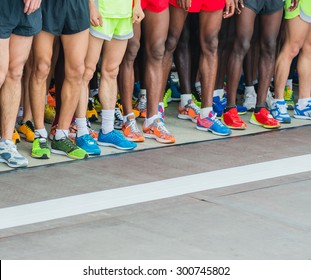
(264, 7)
(65, 17)
(13, 20)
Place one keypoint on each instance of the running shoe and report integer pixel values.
(212, 124)
(189, 112)
(115, 139)
(289, 98)
(10, 155)
(72, 132)
(49, 113)
(97, 105)
(118, 118)
(304, 113)
(51, 99)
(88, 144)
(196, 96)
(279, 112)
(40, 149)
(15, 137)
(91, 113)
(159, 132)
(131, 131)
(175, 96)
(219, 104)
(66, 147)
(250, 99)
(140, 107)
(232, 120)
(136, 90)
(265, 119)
(269, 99)
(27, 131)
(92, 132)
(167, 97)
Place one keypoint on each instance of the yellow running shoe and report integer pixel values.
(15, 137)
(49, 113)
(27, 131)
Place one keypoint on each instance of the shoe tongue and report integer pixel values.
(42, 140)
(210, 114)
(131, 117)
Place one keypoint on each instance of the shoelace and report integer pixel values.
(195, 107)
(118, 114)
(69, 144)
(43, 143)
(142, 103)
(161, 127)
(214, 118)
(282, 108)
(133, 126)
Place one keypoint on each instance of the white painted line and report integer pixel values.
(81, 204)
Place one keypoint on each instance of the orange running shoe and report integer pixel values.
(15, 137)
(232, 119)
(131, 131)
(140, 108)
(189, 112)
(158, 131)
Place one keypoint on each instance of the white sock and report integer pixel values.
(82, 127)
(61, 134)
(198, 87)
(125, 117)
(39, 133)
(149, 121)
(184, 98)
(204, 112)
(249, 89)
(107, 121)
(303, 102)
(218, 92)
(142, 92)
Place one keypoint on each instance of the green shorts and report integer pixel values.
(117, 28)
(303, 10)
(13, 20)
(65, 17)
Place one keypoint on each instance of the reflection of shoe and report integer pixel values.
(212, 124)
(279, 112)
(40, 149)
(115, 139)
(304, 113)
(49, 113)
(91, 113)
(158, 131)
(66, 147)
(232, 120)
(140, 108)
(289, 98)
(131, 131)
(265, 119)
(10, 155)
(189, 112)
(88, 144)
(15, 137)
(27, 131)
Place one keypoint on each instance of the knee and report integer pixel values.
(268, 48)
(171, 43)
(2, 77)
(242, 46)
(88, 73)
(132, 50)
(209, 45)
(75, 73)
(42, 69)
(15, 72)
(111, 72)
(156, 51)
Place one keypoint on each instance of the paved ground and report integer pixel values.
(254, 219)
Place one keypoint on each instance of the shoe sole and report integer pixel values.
(58, 152)
(212, 131)
(160, 140)
(14, 166)
(44, 156)
(114, 146)
(22, 135)
(302, 117)
(186, 117)
(262, 125)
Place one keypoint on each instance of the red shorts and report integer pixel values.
(155, 6)
(203, 5)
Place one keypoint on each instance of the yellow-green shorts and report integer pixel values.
(303, 10)
(114, 28)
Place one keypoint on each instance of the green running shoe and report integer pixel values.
(167, 98)
(66, 147)
(40, 148)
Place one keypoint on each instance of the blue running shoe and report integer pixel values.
(136, 90)
(219, 105)
(304, 113)
(115, 139)
(241, 109)
(279, 111)
(88, 144)
(212, 124)
(175, 96)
